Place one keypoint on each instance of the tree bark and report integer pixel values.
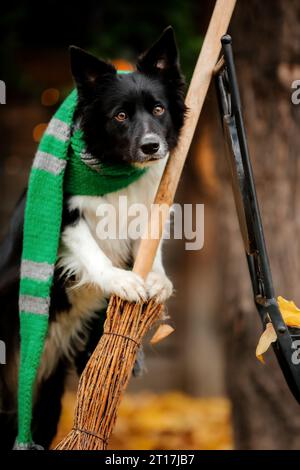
(266, 42)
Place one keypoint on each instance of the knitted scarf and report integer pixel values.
(61, 165)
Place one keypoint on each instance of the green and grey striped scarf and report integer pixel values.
(61, 166)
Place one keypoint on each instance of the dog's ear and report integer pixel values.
(162, 56)
(87, 69)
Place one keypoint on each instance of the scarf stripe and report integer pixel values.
(59, 129)
(47, 162)
(33, 270)
(37, 305)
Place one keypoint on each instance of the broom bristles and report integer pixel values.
(107, 373)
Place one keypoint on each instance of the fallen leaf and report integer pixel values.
(289, 311)
(161, 333)
(269, 336)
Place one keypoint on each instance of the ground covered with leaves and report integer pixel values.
(166, 421)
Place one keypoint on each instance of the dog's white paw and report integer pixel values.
(158, 287)
(125, 284)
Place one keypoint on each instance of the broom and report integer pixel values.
(109, 369)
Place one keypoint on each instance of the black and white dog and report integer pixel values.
(134, 118)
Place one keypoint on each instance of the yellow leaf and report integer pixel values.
(268, 337)
(161, 333)
(289, 311)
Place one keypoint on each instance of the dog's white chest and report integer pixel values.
(115, 242)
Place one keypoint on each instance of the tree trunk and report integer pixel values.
(266, 42)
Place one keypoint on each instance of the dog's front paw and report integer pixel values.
(159, 287)
(125, 284)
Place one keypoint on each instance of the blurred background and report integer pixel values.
(204, 388)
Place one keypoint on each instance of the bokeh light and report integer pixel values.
(122, 64)
(38, 131)
(50, 96)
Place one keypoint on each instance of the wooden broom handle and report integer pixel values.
(194, 101)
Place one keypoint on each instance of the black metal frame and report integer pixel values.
(250, 219)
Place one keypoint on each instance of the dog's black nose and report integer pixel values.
(149, 148)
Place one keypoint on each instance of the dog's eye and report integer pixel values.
(158, 110)
(121, 116)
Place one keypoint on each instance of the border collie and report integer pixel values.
(134, 118)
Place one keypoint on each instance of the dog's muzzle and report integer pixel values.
(152, 147)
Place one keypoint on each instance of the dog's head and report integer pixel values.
(134, 118)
